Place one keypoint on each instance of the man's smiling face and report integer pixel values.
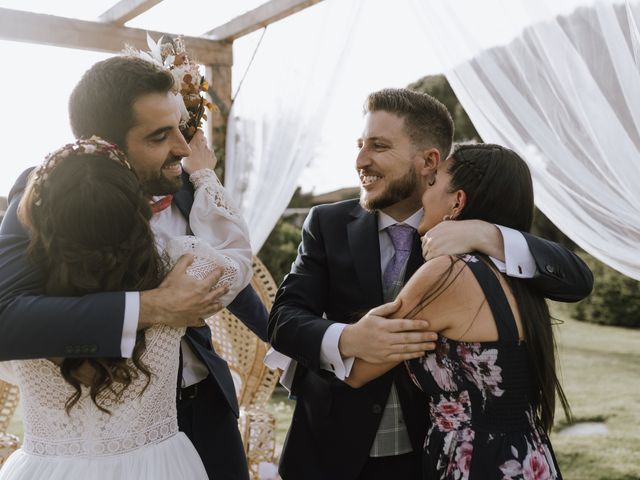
(386, 162)
(155, 145)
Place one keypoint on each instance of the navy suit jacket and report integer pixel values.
(336, 278)
(33, 325)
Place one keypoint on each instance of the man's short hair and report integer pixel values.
(426, 120)
(102, 102)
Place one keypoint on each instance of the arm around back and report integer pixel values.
(33, 325)
(562, 275)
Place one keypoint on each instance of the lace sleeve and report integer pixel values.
(206, 259)
(217, 221)
(7, 373)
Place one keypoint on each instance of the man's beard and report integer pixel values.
(397, 190)
(155, 183)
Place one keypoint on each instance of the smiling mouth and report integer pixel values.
(173, 168)
(368, 180)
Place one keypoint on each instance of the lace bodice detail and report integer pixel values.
(141, 417)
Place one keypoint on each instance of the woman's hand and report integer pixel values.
(201, 155)
(463, 236)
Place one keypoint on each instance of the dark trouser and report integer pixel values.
(398, 467)
(213, 429)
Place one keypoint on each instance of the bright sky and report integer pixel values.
(388, 45)
(37, 81)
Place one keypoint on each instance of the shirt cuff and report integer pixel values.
(276, 360)
(519, 262)
(130, 324)
(330, 358)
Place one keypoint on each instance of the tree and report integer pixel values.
(438, 86)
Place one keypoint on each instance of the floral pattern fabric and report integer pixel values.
(467, 389)
(483, 425)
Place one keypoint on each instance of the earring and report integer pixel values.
(448, 217)
(432, 182)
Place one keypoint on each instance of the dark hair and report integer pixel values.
(498, 186)
(102, 102)
(426, 120)
(89, 226)
(497, 183)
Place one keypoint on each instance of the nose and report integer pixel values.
(362, 159)
(180, 147)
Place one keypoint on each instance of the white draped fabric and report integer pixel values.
(556, 80)
(560, 84)
(276, 119)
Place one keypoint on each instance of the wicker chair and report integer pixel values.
(9, 396)
(254, 382)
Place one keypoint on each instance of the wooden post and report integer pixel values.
(219, 78)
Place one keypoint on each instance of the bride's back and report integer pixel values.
(144, 414)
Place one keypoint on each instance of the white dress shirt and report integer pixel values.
(518, 263)
(213, 219)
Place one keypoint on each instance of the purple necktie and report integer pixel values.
(401, 236)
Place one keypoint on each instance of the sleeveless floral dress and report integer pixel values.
(483, 425)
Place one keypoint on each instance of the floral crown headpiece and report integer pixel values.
(91, 146)
(189, 84)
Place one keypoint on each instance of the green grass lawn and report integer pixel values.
(601, 376)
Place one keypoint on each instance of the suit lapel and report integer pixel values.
(415, 258)
(362, 233)
(183, 198)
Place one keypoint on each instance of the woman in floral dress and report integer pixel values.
(491, 381)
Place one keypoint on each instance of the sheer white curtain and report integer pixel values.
(559, 82)
(276, 119)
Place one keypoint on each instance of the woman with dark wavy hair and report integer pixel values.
(491, 381)
(106, 418)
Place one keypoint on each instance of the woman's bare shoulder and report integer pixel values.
(439, 290)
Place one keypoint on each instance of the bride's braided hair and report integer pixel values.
(90, 233)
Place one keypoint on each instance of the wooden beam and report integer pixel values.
(30, 27)
(125, 10)
(219, 77)
(265, 14)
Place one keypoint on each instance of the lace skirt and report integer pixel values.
(172, 459)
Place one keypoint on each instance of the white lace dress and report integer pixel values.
(139, 439)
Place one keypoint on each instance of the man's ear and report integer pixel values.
(459, 204)
(429, 162)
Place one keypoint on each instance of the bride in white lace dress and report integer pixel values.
(124, 431)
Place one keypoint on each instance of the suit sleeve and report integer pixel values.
(35, 326)
(296, 324)
(562, 275)
(250, 310)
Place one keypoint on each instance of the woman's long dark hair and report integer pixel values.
(499, 190)
(89, 226)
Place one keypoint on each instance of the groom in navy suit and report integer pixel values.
(128, 101)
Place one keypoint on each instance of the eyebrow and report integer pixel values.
(373, 139)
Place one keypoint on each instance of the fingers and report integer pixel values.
(406, 325)
(404, 338)
(197, 137)
(426, 240)
(215, 294)
(213, 277)
(401, 357)
(386, 309)
(182, 264)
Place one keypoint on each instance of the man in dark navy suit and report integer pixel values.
(129, 102)
(348, 264)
